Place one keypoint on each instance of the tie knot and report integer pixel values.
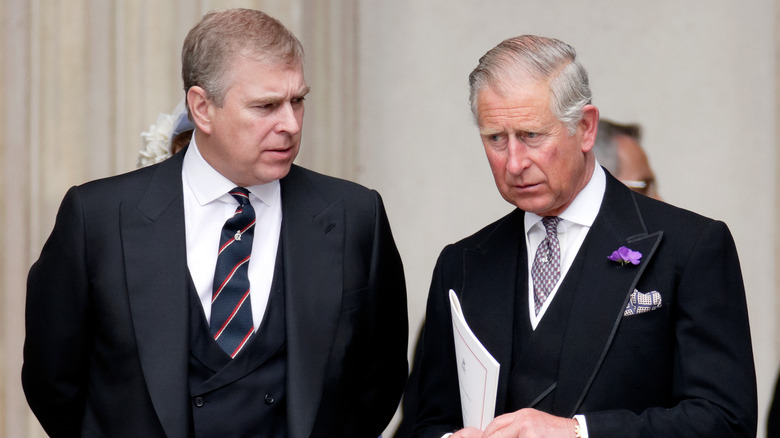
(551, 224)
(241, 195)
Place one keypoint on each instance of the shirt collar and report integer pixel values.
(209, 185)
(585, 206)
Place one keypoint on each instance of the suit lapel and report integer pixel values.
(312, 242)
(154, 244)
(601, 292)
(488, 299)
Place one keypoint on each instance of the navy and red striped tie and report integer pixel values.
(231, 310)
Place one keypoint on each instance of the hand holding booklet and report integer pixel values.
(477, 371)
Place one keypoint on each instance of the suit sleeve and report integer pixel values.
(56, 325)
(438, 409)
(714, 384)
(384, 370)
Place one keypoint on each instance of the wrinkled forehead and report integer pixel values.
(517, 90)
(508, 77)
(261, 73)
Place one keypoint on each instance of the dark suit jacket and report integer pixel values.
(107, 331)
(683, 370)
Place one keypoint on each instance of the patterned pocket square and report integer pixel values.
(642, 302)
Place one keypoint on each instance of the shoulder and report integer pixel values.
(117, 185)
(105, 195)
(507, 228)
(134, 184)
(327, 185)
(684, 233)
(302, 183)
(674, 220)
(655, 215)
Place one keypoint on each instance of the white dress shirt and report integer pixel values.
(207, 205)
(572, 229)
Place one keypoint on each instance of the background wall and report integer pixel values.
(80, 80)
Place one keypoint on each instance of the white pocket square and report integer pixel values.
(642, 302)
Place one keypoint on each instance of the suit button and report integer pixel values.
(199, 402)
(269, 399)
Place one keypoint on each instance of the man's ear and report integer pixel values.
(589, 125)
(200, 108)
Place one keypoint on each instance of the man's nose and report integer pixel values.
(517, 159)
(287, 119)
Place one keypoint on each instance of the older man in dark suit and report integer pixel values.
(610, 313)
(225, 291)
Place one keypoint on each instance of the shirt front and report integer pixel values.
(207, 205)
(575, 223)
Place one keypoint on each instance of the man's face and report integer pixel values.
(255, 135)
(537, 165)
(635, 170)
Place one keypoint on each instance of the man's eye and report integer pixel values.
(495, 137)
(532, 139)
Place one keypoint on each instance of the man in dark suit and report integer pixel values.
(122, 306)
(611, 314)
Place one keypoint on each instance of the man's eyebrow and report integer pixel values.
(265, 100)
(275, 98)
(489, 131)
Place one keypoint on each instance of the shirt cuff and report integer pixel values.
(583, 425)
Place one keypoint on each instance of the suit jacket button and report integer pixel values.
(269, 399)
(199, 402)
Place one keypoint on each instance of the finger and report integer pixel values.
(468, 432)
(499, 423)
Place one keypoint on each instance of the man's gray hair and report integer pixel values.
(210, 46)
(530, 57)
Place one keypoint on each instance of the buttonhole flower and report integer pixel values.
(625, 255)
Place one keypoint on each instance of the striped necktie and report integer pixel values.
(231, 310)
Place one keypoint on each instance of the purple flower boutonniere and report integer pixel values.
(625, 256)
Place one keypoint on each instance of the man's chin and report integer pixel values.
(277, 172)
(264, 175)
(532, 205)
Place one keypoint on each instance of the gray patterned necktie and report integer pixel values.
(546, 269)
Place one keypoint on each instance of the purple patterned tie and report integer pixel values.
(231, 310)
(546, 269)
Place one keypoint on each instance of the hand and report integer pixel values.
(529, 423)
(469, 432)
